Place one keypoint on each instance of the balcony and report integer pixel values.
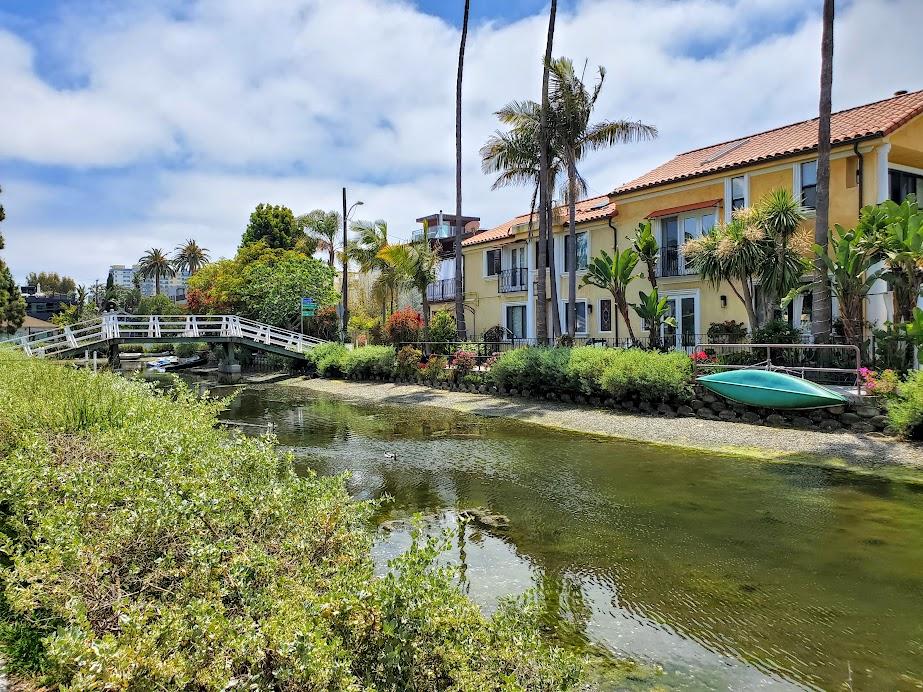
(672, 263)
(441, 290)
(513, 280)
(434, 232)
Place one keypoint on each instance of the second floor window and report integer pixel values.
(493, 262)
(583, 258)
(809, 184)
(738, 192)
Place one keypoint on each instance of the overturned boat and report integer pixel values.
(770, 389)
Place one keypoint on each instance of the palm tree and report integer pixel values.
(572, 104)
(459, 227)
(753, 249)
(153, 265)
(516, 156)
(324, 227)
(416, 264)
(656, 312)
(614, 274)
(821, 320)
(545, 232)
(366, 251)
(190, 257)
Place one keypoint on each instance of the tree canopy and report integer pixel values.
(51, 282)
(12, 306)
(274, 225)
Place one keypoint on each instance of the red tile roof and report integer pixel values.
(871, 120)
(670, 211)
(587, 210)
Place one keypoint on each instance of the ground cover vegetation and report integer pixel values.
(143, 548)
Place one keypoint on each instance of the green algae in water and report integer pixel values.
(716, 572)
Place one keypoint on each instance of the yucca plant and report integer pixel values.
(614, 273)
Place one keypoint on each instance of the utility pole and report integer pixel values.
(345, 316)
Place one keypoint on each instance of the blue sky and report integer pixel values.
(133, 124)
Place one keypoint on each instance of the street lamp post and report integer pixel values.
(344, 311)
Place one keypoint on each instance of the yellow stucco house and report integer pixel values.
(877, 154)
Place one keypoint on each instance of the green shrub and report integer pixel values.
(434, 369)
(464, 362)
(408, 361)
(328, 358)
(648, 375)
(442, 330)
(146, 549)
(585, 366)
(905, 407)
(536, 369)
(368, 361)
(777, 332)
(187, 349)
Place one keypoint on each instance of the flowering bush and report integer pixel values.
(434, 368)
(700, 357)
(408, 360)
(404, 325)
(884, 384)
(464, 362)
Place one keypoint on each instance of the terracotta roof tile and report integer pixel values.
(871, 120)
(587, 210)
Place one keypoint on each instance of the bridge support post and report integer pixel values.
(228, 367)
(115, 360)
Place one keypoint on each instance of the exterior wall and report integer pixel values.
(904, 147)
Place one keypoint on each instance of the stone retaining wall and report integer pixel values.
(865, 418)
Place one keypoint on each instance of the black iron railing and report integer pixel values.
(512, 280)
(440, 290)
(672, 263)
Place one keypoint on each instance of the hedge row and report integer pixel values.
(142, 548)
(584, 370)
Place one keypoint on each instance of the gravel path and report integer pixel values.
(736, 438)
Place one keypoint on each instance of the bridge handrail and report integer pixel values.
(110, 327)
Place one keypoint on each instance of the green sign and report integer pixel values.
(308, 307)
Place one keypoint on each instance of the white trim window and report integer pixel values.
(514, 319)
(807, 183)
(583, 251)
(736, 194)
(492, 262)
(582, 323)
(676, 230)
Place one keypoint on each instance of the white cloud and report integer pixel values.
(202, 110)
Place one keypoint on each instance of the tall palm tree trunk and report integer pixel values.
(459, 226)
(822, 303)
(553, 273)
(157, 283)
(544, 229)
(571, 258)
(331, 255)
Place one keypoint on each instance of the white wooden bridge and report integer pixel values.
(105, 333)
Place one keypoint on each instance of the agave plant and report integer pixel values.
(656, 312)
(614, 274)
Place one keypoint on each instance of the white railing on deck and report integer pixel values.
(141, 328)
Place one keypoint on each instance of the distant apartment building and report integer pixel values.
(174, 287)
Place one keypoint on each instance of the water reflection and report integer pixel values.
(729, 573)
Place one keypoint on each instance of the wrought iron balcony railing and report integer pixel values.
(513, 280)
(441, 290)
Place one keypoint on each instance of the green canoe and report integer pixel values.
(770, 389)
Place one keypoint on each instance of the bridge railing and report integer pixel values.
(141, 328)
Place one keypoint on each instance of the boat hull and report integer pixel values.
(769, 389)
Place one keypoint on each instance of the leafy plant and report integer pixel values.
(905, 409)
(434, 368)
(464, 362)
(149, 549)
(273, 225)
(442, 331)
(614, 274)
(645, 245)
(655, 312)
(328, 358)
(408, 361)
(404, 326)
(727, 332)
(369, 361)
(648, 375)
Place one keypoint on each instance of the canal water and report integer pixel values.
(724, 573)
